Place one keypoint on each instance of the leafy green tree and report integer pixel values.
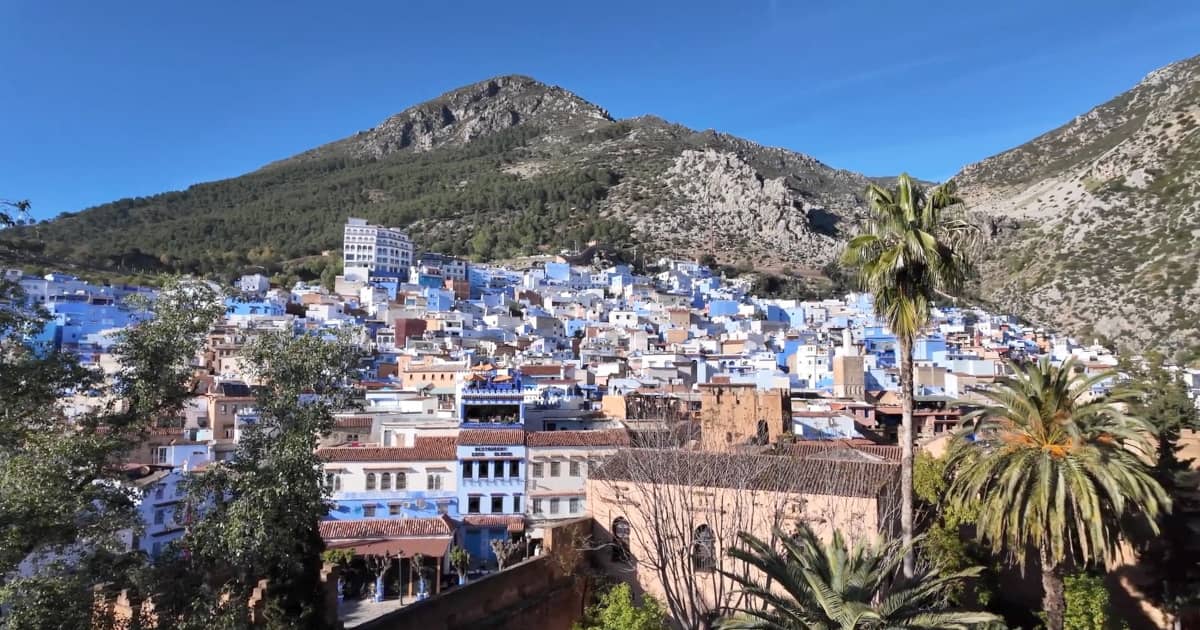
(945, 544)
(1086, 600)
(1170, 556)
(1055, 468)
(618, 610)
(258, 515)
(811, 584)
(63, 504)
(916, 247)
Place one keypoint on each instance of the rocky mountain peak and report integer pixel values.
(463, 115)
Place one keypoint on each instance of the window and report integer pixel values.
(472, 505)
(555, 469)
(704, 549)
(223, 409)
(393, 509)
(554, 506)
(537, 506)
(620, 533)
(370, 481)
(160, 455)
(333, 481)
(468, 470)
(514, 468)
(483, 470)
(443, 507)
(385, 481)
(158, 493)
(497, 505)
(368, 511)
(433, 481)
(156, 549)
(538, 471)
(160, 517)
(575, 469)
(762, 436)
(401, 481)
(576, 505)
(351, 437)
(516, 503)
(498, 468)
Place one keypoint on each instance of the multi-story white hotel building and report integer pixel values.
(368, 249)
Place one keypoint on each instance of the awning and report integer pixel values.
(408, 547)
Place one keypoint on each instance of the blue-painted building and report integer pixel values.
(238, 306)
(491, 486)
(371, 482)
(723, 308)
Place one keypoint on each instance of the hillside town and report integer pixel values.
(492, 401)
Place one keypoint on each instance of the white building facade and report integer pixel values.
(368, 249)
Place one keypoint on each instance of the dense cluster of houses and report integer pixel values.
(492, 394)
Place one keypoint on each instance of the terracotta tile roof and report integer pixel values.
(513, 523)
(541, 370)
(353, 422)
(774, 473)
(423, 449)
(837, 449)
(386, 528)
(497, 437)
(607, 437)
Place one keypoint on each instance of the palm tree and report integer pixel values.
(913, 250)
(1053, 467)
(811, 585)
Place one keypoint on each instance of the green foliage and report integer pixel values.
(339, 557)
(60, 497)
(811, 584)
(1086, 603)
(260, 512)
(915, 248)
(460, 560)
(1064, 459)
(618, 610)
(1169, 556)
(1055, 469)
(946, 545)
(455, 199)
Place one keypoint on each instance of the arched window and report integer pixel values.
(370, 481)
(385, 481)
(620, 533)
(704, 549)
(401, 481)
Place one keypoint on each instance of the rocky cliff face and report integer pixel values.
(1104, 217)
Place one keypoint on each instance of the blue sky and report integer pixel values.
(103, 100)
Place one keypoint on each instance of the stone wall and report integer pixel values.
(547, 592)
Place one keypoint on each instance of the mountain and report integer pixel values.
(502, 167)
(1093, 225)
(1097, 222)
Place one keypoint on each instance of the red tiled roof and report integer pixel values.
(607, 437)
(432, 547)
(513, 523)
(541, 370)
(497, 437)
(386, 528)
(423, 449)
(353, 422)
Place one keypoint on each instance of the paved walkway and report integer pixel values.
(359, 611)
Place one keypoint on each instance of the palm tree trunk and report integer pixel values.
(906, 451)
(1053, 601)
